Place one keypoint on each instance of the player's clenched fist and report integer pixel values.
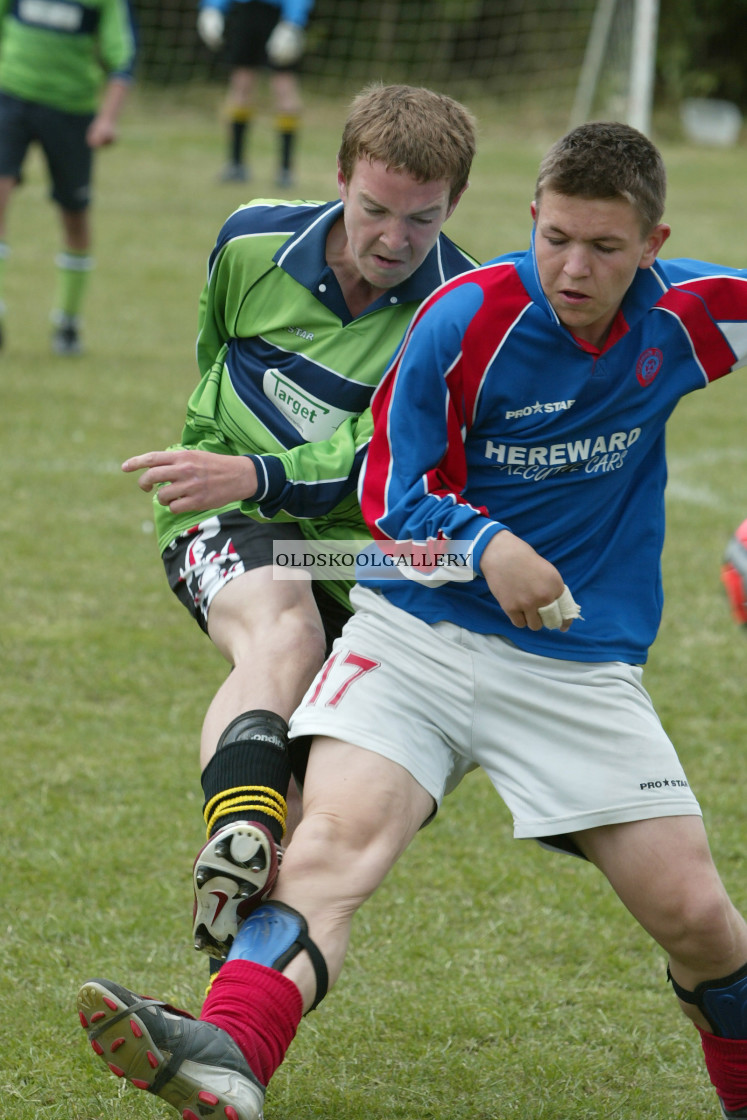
(195, 480)
(524, 583)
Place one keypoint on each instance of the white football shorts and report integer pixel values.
(568, 745)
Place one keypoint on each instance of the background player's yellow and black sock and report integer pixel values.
(248, 776)
(238, 132)
(287, 130)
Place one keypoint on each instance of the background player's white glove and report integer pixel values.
(210, 24)
(285, 45)
(564, 609)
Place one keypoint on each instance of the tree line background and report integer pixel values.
(702, 50)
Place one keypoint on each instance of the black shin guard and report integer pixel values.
(248, 776)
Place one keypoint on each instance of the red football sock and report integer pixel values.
(259, 1008)
(726, 1062)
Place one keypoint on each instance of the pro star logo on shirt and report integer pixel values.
(541, 407)
(50, 13)
(312, 418)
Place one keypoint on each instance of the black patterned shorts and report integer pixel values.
(204, 558)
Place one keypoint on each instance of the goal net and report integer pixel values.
(563, 59)
(524, 50)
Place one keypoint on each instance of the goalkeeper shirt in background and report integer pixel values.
(294, 11)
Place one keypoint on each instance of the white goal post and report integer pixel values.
(617, 74)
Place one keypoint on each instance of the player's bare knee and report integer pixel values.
(702, 932)
(291, 638)
(355, 850)
(298, 635)
(322, 835)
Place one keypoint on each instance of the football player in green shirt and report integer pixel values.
(54, 60)
(304, 306)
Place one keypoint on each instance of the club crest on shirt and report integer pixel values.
(648, 365)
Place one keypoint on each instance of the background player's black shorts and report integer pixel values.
(249, 25)
(62, 138)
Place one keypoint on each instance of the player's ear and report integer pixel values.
(534, 210)
(341, 184)
(453, 203)
(653, 244)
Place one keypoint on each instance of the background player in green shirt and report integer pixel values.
(304, 306)
(54, 59)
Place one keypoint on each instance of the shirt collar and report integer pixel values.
(302, 256)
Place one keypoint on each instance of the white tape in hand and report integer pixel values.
(564, 609)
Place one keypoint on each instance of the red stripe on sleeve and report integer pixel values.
(710, 347)
(504, 302)
(506, 299)
(376, 470)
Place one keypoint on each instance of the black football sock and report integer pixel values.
(248, 776)
(237, 140)
(287, 127)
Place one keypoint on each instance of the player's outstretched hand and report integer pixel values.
(195, 480)
(522, 581)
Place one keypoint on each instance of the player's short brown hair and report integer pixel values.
(412, 129)
(607, 159)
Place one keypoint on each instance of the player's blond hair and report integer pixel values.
(412, 129)
(607, 159)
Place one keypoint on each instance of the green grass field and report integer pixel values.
(487, 979)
